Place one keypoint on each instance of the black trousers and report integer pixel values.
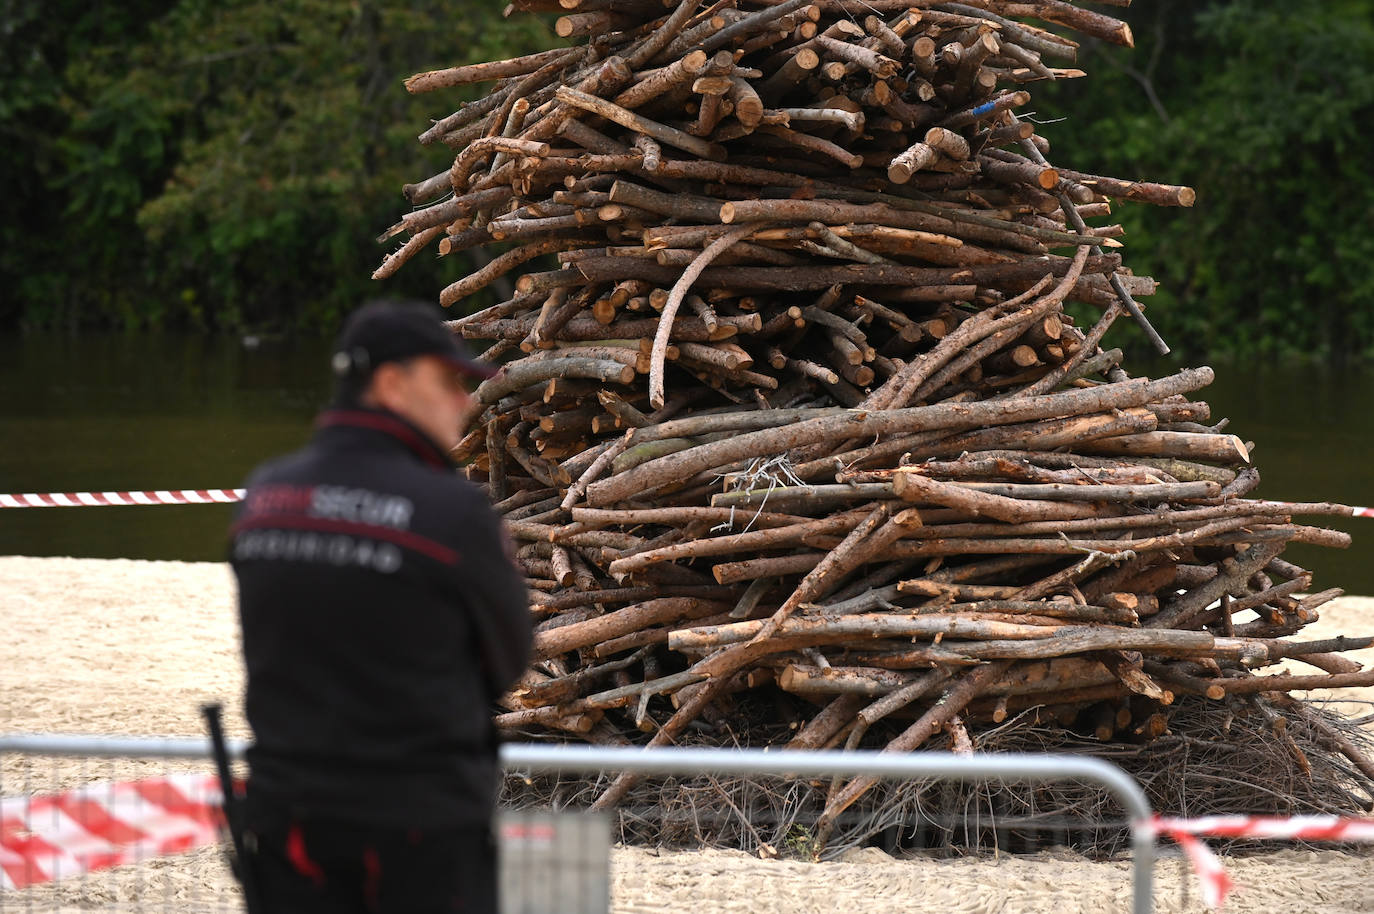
(320, 866)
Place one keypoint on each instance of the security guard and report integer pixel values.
(382, 616)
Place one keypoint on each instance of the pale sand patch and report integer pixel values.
(1351, 617)
(134, 647)
(117, 645)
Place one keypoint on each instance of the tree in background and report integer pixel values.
(59, 228)
(1268, 111)
(222, 164)
(229, 164)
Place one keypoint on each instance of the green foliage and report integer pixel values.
(1266, 109)
(227, 164)
(46, 51)
(801, 844)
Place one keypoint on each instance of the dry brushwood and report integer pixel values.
(790, 405)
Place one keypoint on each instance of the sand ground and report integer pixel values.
(133, 647)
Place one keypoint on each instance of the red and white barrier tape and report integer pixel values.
(1356, 509)
(43, 838)
(1295, 828)
(1213, 881)
(210, 496)
(111, 499)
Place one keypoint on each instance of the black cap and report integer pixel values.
(391, 331)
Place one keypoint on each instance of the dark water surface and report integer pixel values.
(173, 412)
(101, 413)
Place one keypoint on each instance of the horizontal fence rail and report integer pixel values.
(540, 758)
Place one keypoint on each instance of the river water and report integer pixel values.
(170, 412)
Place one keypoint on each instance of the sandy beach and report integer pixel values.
(134, 647)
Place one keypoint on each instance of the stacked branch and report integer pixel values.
(790, 400)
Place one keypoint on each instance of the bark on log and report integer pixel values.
(1125, 395)
(838, 522)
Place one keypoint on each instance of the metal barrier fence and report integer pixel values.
(144, 888)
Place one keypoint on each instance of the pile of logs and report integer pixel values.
(790, 401)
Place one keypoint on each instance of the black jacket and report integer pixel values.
(381, 618)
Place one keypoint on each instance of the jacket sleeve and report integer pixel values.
(494, 592)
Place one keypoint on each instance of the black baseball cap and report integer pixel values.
(392, 331)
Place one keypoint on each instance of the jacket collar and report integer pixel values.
(388, 424)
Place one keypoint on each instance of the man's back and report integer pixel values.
(382, 615)
(380, 619)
